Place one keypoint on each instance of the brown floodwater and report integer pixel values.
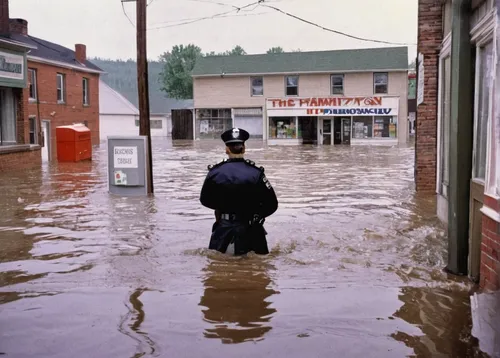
(355, 268)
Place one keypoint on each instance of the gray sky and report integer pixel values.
(103, 27)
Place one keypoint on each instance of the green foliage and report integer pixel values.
(177, 67)
(275, 50)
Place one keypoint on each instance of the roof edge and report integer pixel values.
(63, 64)
(298, 73)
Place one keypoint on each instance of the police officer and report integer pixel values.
(242, 198)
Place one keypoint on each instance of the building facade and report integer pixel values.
(325, 98)
(59, 87)
(458, 130)
(15, 148)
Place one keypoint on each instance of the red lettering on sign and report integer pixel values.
(304, 101)
(291, 103)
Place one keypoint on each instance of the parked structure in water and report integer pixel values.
(325, 97)
(458, 129)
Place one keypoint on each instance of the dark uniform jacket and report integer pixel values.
(242, 198)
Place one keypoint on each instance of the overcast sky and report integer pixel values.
(104, 28)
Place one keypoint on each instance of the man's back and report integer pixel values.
(237, 186)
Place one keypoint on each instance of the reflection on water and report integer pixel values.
(236, 299)
(429, 309)
(351, 243)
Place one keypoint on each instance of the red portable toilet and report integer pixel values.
(73, 143)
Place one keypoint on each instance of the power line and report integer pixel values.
(330, 30)
(125, 12)
(222, 14)
(198, 18)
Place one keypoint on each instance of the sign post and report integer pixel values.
(127, 166)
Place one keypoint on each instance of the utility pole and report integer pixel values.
(143, 88)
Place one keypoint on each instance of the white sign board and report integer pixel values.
(421, 77)
(332, 106)
(125, 157)
(11, 66)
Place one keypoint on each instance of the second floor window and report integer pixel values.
(61, 90)
(292, 85)
(85, 85)
(380, 82)
(337, 84)
(257, 86)
(32, 83)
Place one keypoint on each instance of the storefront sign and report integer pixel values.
(125, 157)
(11, 66)
(333, 106)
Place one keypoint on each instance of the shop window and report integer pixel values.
(337, 84)
(211, 123)
(292, 85)
(282, 128)
(362, 127)
(257, 84)
(85, 91)
(61, 90)
(384, 127)
(7, 117)
(381, 82)
(483, 107)
(33, 91)
(33, 130)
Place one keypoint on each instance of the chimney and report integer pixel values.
(18, 26)
(4, 17)
(81, 53)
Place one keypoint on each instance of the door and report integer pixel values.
(346, 130)
(182, 124)
(46, 141)
(326, 131)
(475, 229)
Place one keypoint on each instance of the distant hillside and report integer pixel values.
(122, 77)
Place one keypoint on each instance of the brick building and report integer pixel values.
(458, 129)
(321, 97)
(57, 86)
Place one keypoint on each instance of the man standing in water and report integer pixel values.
(242, 198)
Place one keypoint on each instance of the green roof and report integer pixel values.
(370, 59)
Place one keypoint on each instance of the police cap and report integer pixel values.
(235, 136)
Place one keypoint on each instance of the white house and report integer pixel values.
(118, 116)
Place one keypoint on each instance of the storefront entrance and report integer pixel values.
(334, 131)
(326, 130)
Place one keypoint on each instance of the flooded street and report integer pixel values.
(355, 268)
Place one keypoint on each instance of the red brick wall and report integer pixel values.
(24, 160)
(73, 111)
(490, 249)
(430, 37)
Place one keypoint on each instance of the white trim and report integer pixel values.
(297, 73)
(17, 43)
(492, 214)
(446, 46)
(62, 64)
(484, 29)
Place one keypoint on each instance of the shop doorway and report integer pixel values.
(342, 129)
(46, 141)
(308, 130)
(326, 131)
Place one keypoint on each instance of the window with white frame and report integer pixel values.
(381, 82)
(292, 85)
(85, 91)
(337, 84)
(257, 84)
(61, 88)
(33, 91)
(8, 113)
(482, 116)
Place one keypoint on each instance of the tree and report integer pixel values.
(177, 67)
(237, 51)
(278, 49)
